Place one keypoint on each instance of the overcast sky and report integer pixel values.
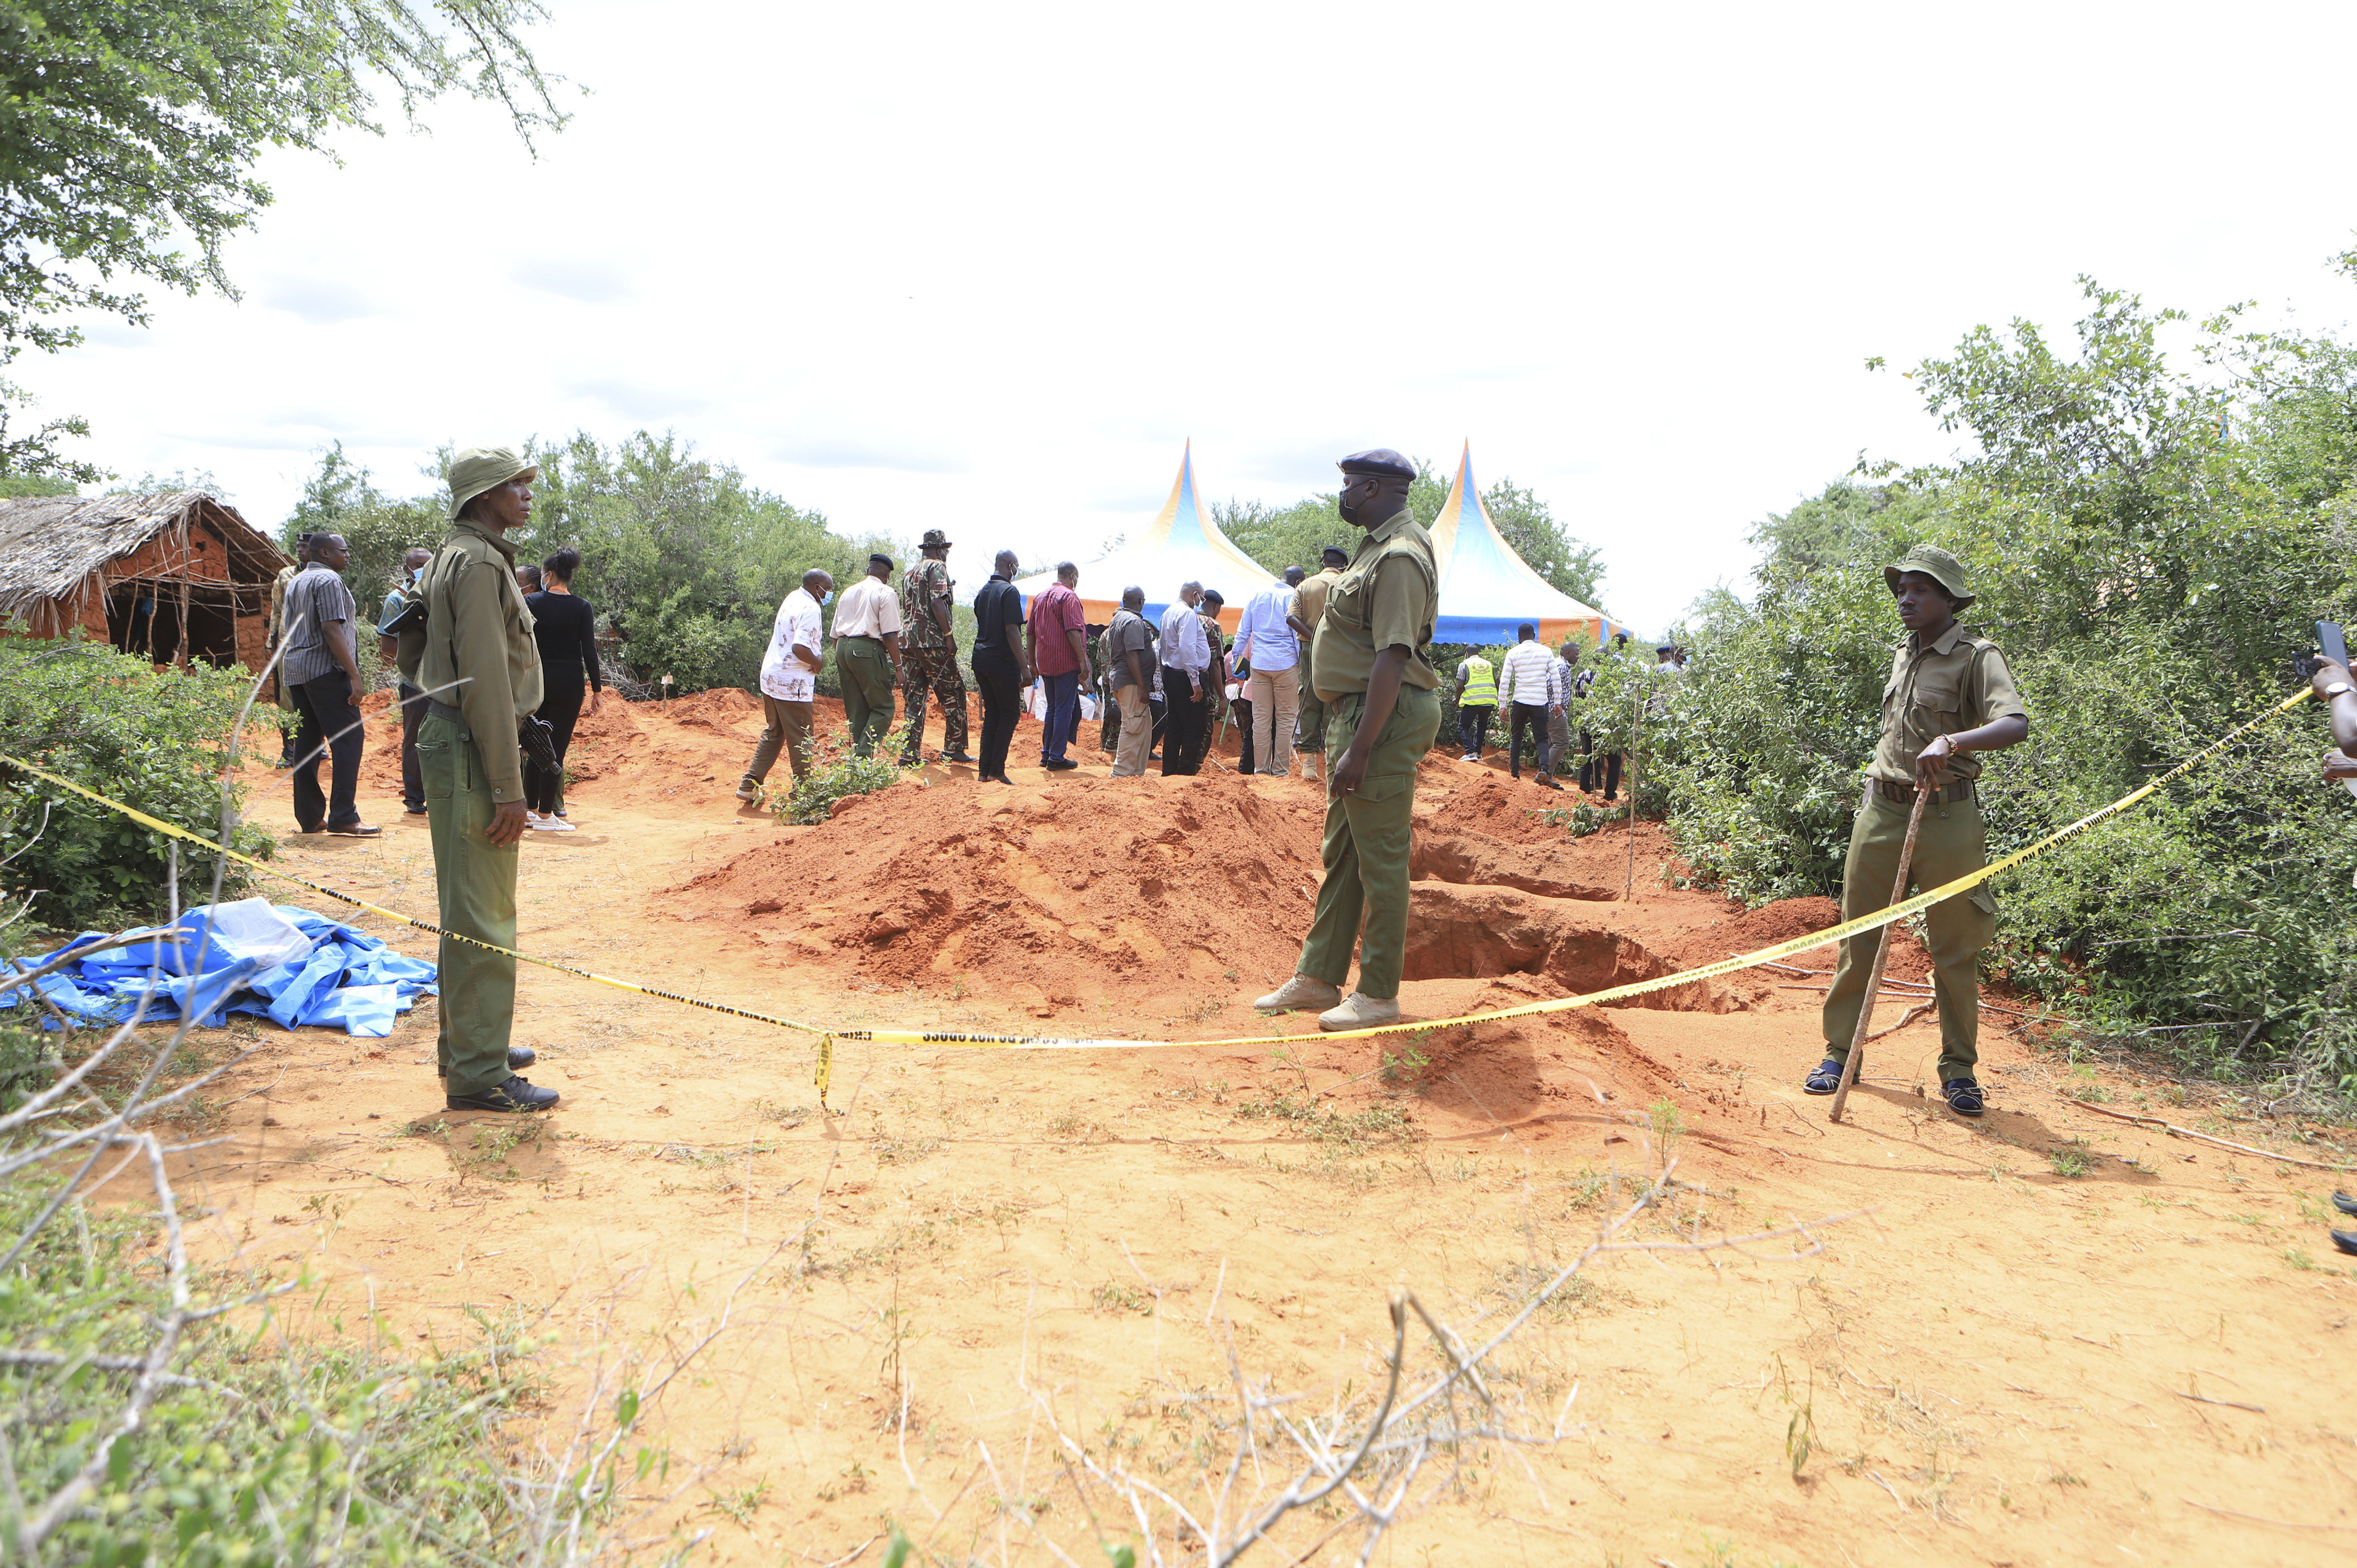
(988, 267)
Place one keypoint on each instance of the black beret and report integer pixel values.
(1334, 552)
(1379, 460)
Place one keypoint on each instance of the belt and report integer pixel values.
(855, 637)
(442, 710)
(1962, 790)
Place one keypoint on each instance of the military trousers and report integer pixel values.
(1362, 897)
(934, 670)
(475, 889)
(866, 676)
(1950, 843)
(1309, 719)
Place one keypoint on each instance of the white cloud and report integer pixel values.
(916, 263)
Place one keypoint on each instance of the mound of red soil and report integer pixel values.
(1185, 879)
(1788, 917)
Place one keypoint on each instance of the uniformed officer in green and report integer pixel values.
(1374, 672)
(1949, 697)
(475, 659)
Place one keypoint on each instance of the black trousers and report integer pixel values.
(1593, 769)
(1473, 727)
(1183, 735)
(1534, 719)
(562, 685)
(1241, 707)
(1001, 684)
(327, 712)
(412, 781)
(1161, 711)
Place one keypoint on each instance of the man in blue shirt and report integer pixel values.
(1265, 646)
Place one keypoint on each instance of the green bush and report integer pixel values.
(812, 799)
(152, 739)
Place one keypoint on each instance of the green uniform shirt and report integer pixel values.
(1388, 596)
(1956, 683)
(478, 630)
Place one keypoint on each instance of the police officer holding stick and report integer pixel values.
(1950, 697)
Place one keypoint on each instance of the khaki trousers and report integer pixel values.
(475, 888)
(1366, 848)
(1136, 732)
(1950, 843)
(1275, 698)
(788, 727)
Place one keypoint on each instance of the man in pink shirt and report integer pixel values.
(1056, 632)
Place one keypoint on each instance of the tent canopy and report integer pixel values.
(1183, 544)
(1487, 591)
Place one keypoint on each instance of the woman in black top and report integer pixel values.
(566, 630)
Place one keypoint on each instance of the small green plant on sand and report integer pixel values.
(812, 799)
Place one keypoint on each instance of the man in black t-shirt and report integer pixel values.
(1000, 668)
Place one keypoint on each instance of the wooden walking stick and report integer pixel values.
(1881, 954)
(1636, 729)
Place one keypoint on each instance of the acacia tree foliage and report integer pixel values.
(378, 528)
(129, 130)
(1278, 537)
(687, 560)
(2151, 546)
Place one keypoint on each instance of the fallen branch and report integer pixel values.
(2175, 1131)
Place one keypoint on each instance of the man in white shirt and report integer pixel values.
(1186, 694)
(1526, 689)
(868, 653)
(1265, 646)
(789, 683)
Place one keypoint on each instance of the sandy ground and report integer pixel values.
(906, 1309)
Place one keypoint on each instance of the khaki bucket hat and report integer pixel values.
(1937, 565)
(480, 468)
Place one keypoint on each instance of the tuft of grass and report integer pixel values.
(1115, 1296)
(2071, 1159)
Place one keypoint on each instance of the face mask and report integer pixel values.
(1350, 513)
(826, 598)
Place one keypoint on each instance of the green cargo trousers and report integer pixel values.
(866, 677)
(1949, 845)
(1366, 848)
(475, 882)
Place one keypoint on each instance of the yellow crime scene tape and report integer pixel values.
(828, 1037)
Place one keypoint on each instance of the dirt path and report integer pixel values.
(2151, 1359)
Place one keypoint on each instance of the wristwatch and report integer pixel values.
(2338, 688)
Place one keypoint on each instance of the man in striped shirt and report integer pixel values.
(1526, 688)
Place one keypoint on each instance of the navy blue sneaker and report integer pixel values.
(515, 1094)
(1963, 1096)
(1825, 1080)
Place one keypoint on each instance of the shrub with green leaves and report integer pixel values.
(152, 739)
(812, 799)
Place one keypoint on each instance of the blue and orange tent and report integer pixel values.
(1183, 544)
(1487, 591)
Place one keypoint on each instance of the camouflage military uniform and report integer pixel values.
(929, 660)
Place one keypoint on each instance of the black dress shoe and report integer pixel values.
(2343, 1202)
(1824, 1079)
(1963, 1096)
(1548, 783)
(515, 1094)
(955, 756)
(2346, 1241)
(1060, 765)
(519, 1059)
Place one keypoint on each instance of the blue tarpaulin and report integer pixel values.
(252, 956)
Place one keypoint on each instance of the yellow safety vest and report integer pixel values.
(1480, 684)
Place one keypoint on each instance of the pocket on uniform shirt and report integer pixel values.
(1940, 698)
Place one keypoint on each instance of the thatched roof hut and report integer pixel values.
(172, 576)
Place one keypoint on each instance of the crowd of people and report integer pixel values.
(1164, 688)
